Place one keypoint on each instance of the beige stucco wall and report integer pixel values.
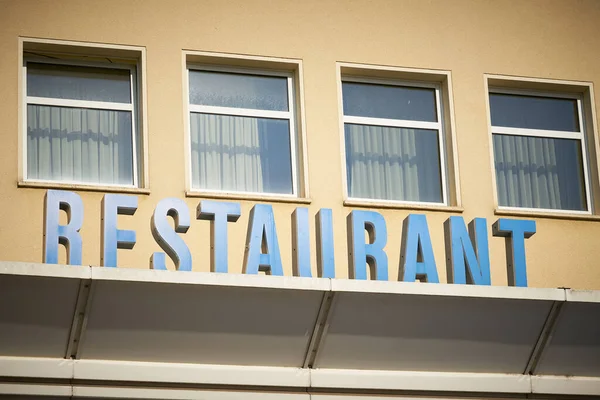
(540, 39)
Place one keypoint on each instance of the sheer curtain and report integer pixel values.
(539, 172)
(79, 145)
(393, 163)
(226, 153)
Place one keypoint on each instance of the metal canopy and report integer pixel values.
(190, 324)
(36, 308)
(432, 333)
(107, 324)
(574, 349)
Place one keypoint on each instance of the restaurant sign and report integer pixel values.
(467, 250)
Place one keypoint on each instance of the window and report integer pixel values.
(242, 131)
(81, 122)
(539, 150)
(394, 141)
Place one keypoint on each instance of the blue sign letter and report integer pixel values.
(325, 256)
(67, 235)
(466, 264)
(515, 231)
(300, 243)
(113, 238)
(372, 253)
(167, 238)
(262, 248)
(218, 213)
(416, 254)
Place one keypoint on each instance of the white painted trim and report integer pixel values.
(403, 396)
(451, 290)
(143, 373)
(301, 130)
(533, 211)
(23, 118)
(181, 394)
(585, 157)
(565, 385)
(45, 368)
(136, 112)
(289, 115)
(210, 279)
(392, 204)
(142, 115)
(396, 123)
(400, 203)
(238, 70)
(449, 118)
(187, 125)
(282, 282)
(73, 43)
(533, 93)
(583, 296)
(486, 101)
(267, 196)
(45, 270)
(240, 112)
(40, 184)
(342, 131)
(410, 124)
(293, 139)
(442, 145)
(27, 389)
(419, 381)
(396, 69)
(134, 134)
(238, 57)
(120, 371)
(503, 130)
(75, 62)
(581, 136)
(391, 82)
(80, 185)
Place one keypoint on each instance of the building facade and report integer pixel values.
(327, 145)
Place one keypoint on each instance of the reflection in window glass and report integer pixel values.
(235, 153)
(535, 172)
(393, 163)
(238, 90)
(78, 83)
(386, 101)
(79, 145)
(533, 112)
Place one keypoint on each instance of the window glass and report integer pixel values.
(78, 83)
(238, 90)
(79, 145)
(393, 163)
(235, 153)
(533, 112)
(387, 101)
(537, 172)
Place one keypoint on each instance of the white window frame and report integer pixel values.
(290, 115)
(544, 133)
(83, 104)
(398, 123)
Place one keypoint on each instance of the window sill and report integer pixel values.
(82, 187)
(248, 197)
(546, 214)
(402, 206)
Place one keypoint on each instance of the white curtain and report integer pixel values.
(537, 172)
(226, 153)
(392, 163)
(79, 145)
